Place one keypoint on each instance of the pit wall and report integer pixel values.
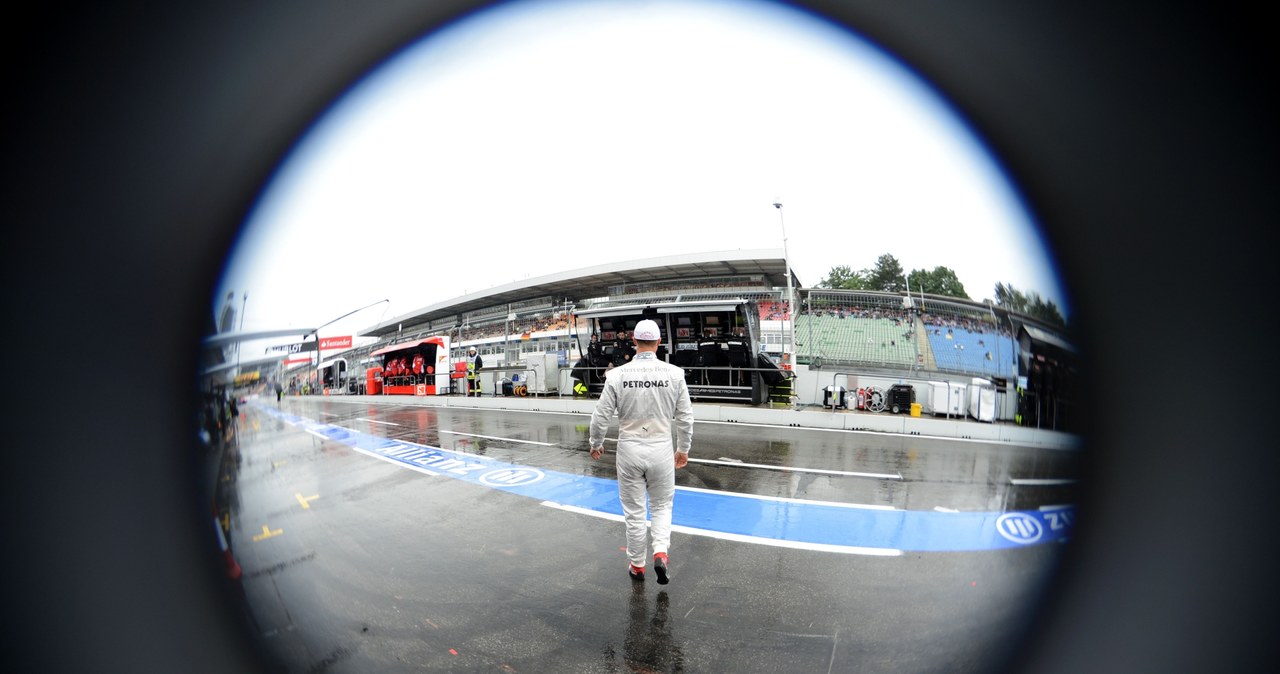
(805, 417)
(811, 386)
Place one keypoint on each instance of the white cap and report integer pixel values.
(646, 330)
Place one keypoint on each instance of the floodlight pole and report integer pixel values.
(791, 293)
(243, 302)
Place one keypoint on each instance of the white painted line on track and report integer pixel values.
(375, 421)
(926, 436)
(584, 511)
(789, 469)
(742, 538)
(1039, 482)
(787, 499)
(494, 437)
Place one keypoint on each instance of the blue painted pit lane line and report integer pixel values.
(832, 527)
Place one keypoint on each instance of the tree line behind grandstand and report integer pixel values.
(887, 276)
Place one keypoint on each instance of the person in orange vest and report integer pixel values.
(474, 363)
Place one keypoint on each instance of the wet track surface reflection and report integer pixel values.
(823, 465)
(355, 564)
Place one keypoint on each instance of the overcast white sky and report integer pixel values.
(550, 136)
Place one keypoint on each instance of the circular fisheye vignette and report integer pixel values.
(1010, 527)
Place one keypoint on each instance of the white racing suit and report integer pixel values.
(647, 395)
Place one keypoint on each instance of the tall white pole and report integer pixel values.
(791, 293)
(240, 329)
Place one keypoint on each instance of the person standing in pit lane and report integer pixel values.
(646, 394)
(474, 363)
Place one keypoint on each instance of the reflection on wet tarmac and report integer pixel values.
(649, 644)
(394, 550)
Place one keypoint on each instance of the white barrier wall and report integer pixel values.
(812, 384)
(845, 420)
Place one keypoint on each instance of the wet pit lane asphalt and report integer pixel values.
(385, 537)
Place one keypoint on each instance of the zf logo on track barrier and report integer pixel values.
(1020, 528)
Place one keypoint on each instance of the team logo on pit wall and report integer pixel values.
(1019, 528)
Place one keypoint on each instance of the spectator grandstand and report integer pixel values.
(857, 327)
(866, 328)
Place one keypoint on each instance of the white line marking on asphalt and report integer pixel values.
(835, 639)
(1038, 482)
(945, 510)
(757, 540)
(375, 421)
(802, 636)
(789, 469)
(493, 437)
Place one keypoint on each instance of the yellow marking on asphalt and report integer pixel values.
(277, 464)
(267, 533)
(306, 501)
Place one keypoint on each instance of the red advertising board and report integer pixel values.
(331, 343)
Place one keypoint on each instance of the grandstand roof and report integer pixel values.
(1042, 336)
(593, 282)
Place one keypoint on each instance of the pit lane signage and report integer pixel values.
(331, 343)
(301, 347)
(326, 344)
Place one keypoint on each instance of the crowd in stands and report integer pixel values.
(937, 324)
(772, 310)
(525, 326)
(901, 318)
(856, 311)
(854, 334)
(674, 286)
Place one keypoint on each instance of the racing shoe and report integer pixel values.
(636, 573)
(660, 567)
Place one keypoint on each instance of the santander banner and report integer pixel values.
(331, 343)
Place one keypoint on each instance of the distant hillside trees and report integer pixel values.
(843, 277)
(940, 281)
(888, 276)
(1029, 303)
